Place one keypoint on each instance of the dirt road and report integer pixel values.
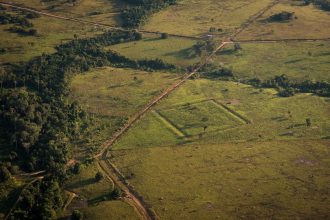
(128, 196)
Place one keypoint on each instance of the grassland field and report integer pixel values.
(298, 60)
(252, 180)
(173, 50)
(271, 117)
(112, 95)
(93, 193)
(104, 11)
(23, 48)
(195, 18)
(310, 22)
(212, 149)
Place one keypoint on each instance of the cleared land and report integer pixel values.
(118, 92)
(262, 180)
(85, 185)
(105, 11)
(298, 60)
(93, 196)
(22, 48)
(114, 210)
(311, 22)
(176, 51)
(197, 17)
(271, 117)
(112, 95)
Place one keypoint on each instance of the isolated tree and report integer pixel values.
(164, 35)
(205, 127)
(98, 176)
(138, 36)
(77, 168)
(116, 193)
(77, 215)
(237, 47)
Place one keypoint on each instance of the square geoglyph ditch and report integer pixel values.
(196, 118)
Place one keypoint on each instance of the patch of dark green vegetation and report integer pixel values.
(282, 83)
(21, 23)
(282, 17)
(287, 87)
(41, 124)
(323, 4)
(138, 11)
(39, 200)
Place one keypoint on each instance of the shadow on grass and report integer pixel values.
(82, 183)
(183, 54)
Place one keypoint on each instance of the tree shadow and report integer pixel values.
(82, 183)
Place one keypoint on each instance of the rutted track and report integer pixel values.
(90, 22)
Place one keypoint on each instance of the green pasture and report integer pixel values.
(173, 50)
(310, 22)
(22, 48)
(118, 92)
(266, 116)
(250, 180)
(196, 118)
(85, 185)
(114, 210)
(197, 17)
(298, 60)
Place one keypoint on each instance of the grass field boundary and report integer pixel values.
(169, 124)
(235, 113)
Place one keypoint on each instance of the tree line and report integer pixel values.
(282, 83)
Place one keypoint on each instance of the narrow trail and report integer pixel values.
(72, 195)
(92, 22)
